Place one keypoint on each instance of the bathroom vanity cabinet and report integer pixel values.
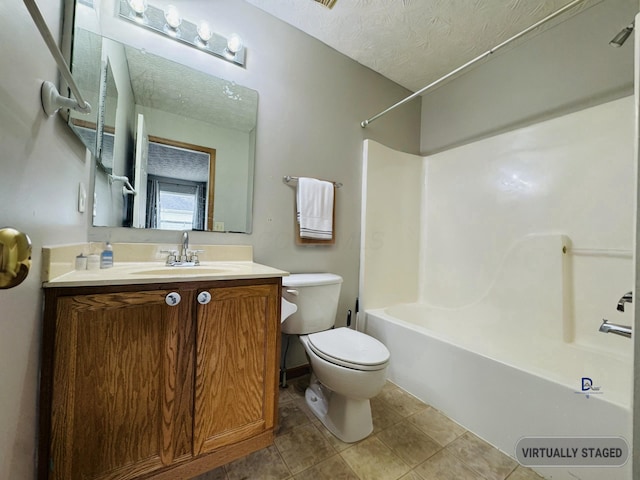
(138, 385)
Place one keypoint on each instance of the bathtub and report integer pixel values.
(503, 391)
(506, 366)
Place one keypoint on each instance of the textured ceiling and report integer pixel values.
(413, 42)
(153, 82)
(201, 97)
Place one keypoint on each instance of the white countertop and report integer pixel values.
(144, 263)
(135, 273)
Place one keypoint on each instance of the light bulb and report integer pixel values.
(204, 32)
(234, 44)
(138, 6)
(172, 17)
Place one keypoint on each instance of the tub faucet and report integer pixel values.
(622, 330)
(626, 298)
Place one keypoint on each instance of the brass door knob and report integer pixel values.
(15, 257)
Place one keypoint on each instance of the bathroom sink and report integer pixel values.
(186, 271)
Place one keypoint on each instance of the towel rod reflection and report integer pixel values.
(289, 179)
(127, 189)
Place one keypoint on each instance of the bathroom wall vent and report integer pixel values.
(327, 3)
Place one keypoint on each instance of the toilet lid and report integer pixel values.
(349, 348)
(310, 279)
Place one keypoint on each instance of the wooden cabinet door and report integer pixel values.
(236, 348)
(122, 385)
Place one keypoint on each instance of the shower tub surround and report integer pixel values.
(501, 366)
(485, 316)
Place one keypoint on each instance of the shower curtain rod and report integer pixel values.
(364, 123)
(51, 98)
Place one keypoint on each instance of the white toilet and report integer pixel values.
(348, 367)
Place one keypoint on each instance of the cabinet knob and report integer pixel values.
(204, 298)
(173, 299)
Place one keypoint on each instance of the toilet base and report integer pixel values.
(348, 419)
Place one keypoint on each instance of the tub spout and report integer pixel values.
(622, 330)
(626, 298)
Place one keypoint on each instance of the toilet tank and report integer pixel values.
(316, 295)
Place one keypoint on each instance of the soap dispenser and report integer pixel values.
(106, 257)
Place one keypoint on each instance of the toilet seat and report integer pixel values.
(349, 348)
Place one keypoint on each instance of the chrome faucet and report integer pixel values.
(184, 252)
(626, 298)
(186, 257)
(622, 330)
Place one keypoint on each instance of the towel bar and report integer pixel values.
(289, 179)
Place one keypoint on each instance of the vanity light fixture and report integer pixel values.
(173, 19)
(138, 7)
(204, 34)
(169, 22)
(234, 45)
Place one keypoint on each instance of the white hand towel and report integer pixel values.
(315, 208)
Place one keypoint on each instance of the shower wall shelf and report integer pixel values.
(598, 252)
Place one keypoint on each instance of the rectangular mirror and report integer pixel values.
(184, 139)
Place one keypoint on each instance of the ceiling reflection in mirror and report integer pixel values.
(184, 139)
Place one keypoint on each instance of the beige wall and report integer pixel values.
(311, 103)
(565, 67)
(41, 164)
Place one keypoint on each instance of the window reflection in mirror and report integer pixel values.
(182, 106)
(180, 186)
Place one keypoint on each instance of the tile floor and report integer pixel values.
(410, 441)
